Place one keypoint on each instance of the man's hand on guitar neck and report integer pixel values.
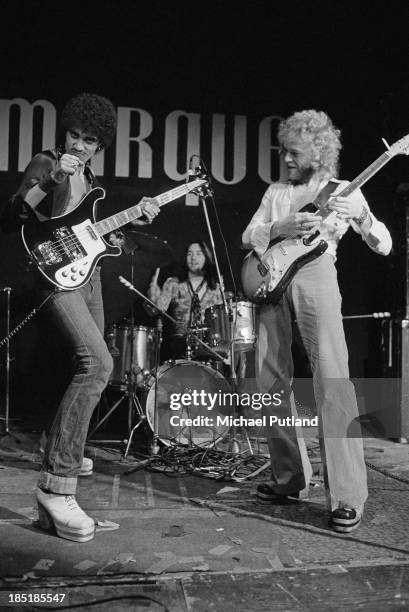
(296, 224)
(149, 210)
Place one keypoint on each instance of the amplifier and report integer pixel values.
(395, 372)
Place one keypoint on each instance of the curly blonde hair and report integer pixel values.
(316, 129)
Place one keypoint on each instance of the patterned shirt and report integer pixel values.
(176, 297)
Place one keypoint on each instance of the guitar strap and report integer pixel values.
(324, 194)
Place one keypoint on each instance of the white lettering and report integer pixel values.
(25, 150)
(265, 147)
(172, 153)
(123, 138)
(219, 149)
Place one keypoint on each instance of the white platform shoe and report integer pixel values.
(86, 467)
(64, 513)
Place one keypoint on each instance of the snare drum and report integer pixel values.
(194, 380)
(119, 339)
(220, 335)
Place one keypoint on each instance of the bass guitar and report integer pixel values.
(67, 248)
(264, 279)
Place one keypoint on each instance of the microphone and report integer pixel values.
(197, 169)
(194, 164)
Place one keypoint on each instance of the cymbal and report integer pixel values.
(160, 253)
(141, 255)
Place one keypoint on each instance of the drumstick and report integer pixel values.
(156, 276)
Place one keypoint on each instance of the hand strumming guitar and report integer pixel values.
(297, 224)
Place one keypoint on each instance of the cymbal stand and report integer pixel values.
(129, 394)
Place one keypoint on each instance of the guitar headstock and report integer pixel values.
(198, 173)
(400, 147)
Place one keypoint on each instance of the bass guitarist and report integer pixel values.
(53, 184)
(310, 146)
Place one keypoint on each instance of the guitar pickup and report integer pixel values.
(262, 269)
(69, 245)
(91, 232)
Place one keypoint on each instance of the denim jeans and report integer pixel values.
(78, 317)
(313, 298)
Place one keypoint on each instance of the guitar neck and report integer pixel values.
(362, 178)
(120, 219)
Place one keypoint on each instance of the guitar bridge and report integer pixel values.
(49, 255)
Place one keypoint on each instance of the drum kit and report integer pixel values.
(151, 385)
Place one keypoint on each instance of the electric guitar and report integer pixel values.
(67, 248)
(264, 279)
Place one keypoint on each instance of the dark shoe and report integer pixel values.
(345, 519)
(265, 493)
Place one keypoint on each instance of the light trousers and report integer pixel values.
(314, 300)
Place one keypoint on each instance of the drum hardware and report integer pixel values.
(145, 252)
(133, 403)
(193, 334)
(155, 440)
(155, 407)
(237, 326)
(372, 315)
(129, 385)
(170, 318)
(119, 339)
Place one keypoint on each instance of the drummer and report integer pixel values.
(187, 296)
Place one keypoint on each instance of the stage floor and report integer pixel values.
(194, 543)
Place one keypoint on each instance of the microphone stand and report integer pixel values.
(235, 446)
(6, 417)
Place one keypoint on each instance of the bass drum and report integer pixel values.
(194, 403)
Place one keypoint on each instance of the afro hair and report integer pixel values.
(93, 114)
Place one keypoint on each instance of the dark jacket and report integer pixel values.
(38, 173)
